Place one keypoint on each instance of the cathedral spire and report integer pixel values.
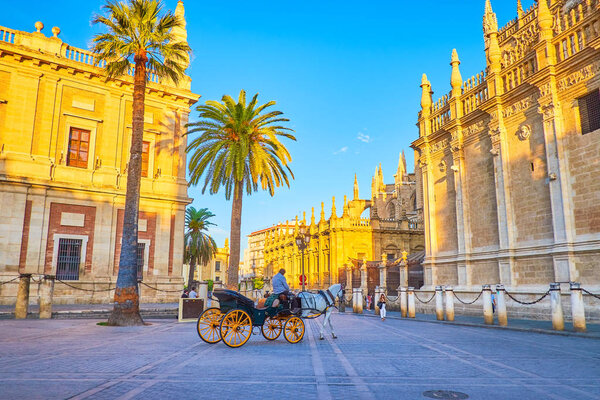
(519, 9)
(455, 79)
(355, 187)
(490, 33)
(180, 32)
(401, 169)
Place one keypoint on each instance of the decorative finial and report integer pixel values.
(545, 19)
(39, 26)
(456, 78)
(519, 9)
(333, 211)
(56, 31)
(322, 211)
(426, 94)
(312, 216)
(490, 23)
(355, 188)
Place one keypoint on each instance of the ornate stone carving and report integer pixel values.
(524, 132)
(585, 73)
(518, 107)
(475, 128)
(547, 110)
(443, 166)
(545, 89)
(437, 146)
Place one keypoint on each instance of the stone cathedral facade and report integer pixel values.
(510, 159)
(65, 134)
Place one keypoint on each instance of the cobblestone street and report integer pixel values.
(55, 359)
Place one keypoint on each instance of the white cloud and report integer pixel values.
(363, 137)
(342, 150)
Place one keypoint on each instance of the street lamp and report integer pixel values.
(302, 241)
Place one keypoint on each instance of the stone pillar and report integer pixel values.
(349, 278)
(403, 302)
(439, 303)
(411, 302)
(382, 275)
(46, 292)
(357, 301)
(363, 277)
(403, 273)
(577, 308)
(488, 314)
(501, 305)
(449, 303)
(558, 319)
(203, 292)
(22, 305)
(376, 297)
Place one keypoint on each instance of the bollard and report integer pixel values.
(22, 305)
(403, 302)
(501, 305)
(376, 297)
(558, 318)
(439, 303)
(46, 292)
(449, 303)
(488, 314)
(357, 300)
(411, 302)
(577, 308)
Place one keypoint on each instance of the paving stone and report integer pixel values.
(371, 359)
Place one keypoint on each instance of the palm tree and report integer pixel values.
(199, 246)
(138, 31)
(239, 149)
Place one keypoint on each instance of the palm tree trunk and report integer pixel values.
(126, 311)
(191, 272)
(236, 226)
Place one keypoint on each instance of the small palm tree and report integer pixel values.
(138, 32)
(199, 246)
(238, 149)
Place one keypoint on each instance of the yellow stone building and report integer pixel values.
(510, 158)
(394, 225)
(65, 134)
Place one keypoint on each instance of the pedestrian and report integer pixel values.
(193, 294)
(368, 301)
(493, 302)
(381, 305)
(185, 294)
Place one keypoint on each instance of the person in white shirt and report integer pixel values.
(193, 294)
(280, 283)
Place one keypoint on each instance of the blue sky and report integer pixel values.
(346, 73)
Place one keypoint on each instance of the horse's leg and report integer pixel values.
(321, 337)
(331, 326)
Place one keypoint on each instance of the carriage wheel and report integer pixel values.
(272, 328)
(236, 328)
(293, 330)
(208, 325)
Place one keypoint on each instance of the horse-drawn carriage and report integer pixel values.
(236, 317)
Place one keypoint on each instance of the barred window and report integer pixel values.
(69, 258)
(141, 249)
(79, 144)
(217, 265)
(589, 111)
(145, 158)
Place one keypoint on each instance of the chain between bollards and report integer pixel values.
(468, 302)
(159, 290)
(591, 294)
(424, 302)
(12, 280)
(528, 303)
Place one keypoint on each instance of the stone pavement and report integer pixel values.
(399, 359)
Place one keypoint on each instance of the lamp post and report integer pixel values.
(302, 241)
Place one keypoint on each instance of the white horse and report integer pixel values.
(323, 302)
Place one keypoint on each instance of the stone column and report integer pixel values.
(22, 305)
(403, 302)
(577, 308)
(411, 302)
(378, 292)
(403, 273)
(383, 272)
(439, 303)
(558, 319)
(357, 301)
(203, 292)
(501, 305)
(449, 303)
(363, 277)
(46, 292)
(488, 314)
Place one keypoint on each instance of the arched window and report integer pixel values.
(391, 210)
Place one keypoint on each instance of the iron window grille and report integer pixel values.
(141, 254)
(589, 112)
(69, 259)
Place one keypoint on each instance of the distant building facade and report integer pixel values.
(215, 269)
(509, 159)
(394, 225)
(65, 134)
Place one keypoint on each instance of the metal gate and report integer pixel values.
(69, 259)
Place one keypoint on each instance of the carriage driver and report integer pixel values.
(280, 285)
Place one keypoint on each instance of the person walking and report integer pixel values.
(381, 305)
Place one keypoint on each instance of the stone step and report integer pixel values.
(169, 313)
